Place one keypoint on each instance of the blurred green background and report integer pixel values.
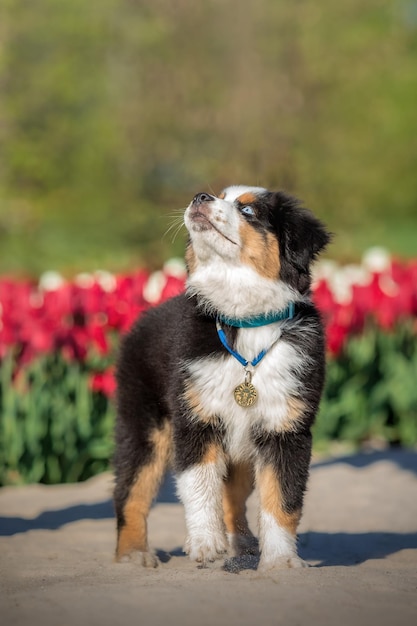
(113, 113)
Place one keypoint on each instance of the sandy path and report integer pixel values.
(359, 530)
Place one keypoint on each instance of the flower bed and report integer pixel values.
(58, 341)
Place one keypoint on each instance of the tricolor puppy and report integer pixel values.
(224, 381)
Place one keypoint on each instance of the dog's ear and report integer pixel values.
(302, 237)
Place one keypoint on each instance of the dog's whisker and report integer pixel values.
(173, 213)
(175, 228)
(211, 189)
(172, 227)
(176, 219)
(176, 232)
(172, 216)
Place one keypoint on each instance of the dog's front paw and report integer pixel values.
(205, 549)
(145, 559)
(282, 562)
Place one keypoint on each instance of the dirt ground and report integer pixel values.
(358, 532)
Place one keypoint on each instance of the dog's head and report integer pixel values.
(255, 235)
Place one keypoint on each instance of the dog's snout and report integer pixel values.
(200, 198)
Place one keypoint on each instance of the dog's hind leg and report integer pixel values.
(238, 486)
(139, 470)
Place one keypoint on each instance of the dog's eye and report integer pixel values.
(247, 210)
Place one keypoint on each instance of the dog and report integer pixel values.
(224, 382)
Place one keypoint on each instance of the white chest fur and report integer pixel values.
(274, 378)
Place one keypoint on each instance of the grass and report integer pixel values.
(397, 237)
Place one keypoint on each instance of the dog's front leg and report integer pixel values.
(281, 476)
(200, 485)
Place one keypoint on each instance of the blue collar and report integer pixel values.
(260, 320)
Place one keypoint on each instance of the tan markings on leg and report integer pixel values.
(247, 198)
(212, 453)
(190, 259)
(271, 499)
(237, 488)
(295, 413)
(259, 251)
(193, 400)
(133, 535)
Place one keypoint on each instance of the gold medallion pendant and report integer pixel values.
(246, 394)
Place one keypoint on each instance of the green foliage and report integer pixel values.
(113, 113)
(371, 390)
(53, 428)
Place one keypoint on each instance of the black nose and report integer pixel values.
(203, 197)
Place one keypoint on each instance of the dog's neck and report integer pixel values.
(238, 291)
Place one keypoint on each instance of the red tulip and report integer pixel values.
(103, 382)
